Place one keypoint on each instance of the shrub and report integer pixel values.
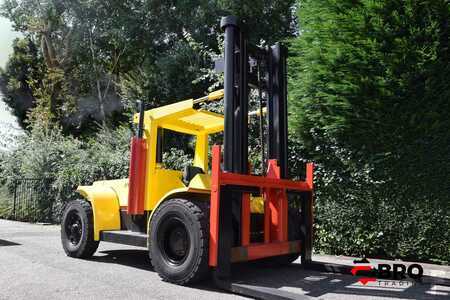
(66, 162)
(358, 213)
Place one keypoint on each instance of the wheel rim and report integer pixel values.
(73, 227)
(173, 240)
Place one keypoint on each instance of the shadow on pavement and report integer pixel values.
(130, 257)
(8, 243)
(139, 259)
(296, 280)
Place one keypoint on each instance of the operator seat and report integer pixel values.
(189, 172)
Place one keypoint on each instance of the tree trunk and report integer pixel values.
(101, 102)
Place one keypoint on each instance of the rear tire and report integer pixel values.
(179, 241)
(77, 230)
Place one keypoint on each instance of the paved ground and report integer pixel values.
(34, 266)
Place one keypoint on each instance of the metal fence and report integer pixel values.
(32, 201)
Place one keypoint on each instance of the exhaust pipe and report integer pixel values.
(138, 164)
(140, 131)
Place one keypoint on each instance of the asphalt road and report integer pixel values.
(34, 266)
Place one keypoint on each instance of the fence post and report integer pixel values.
(14, 201)
(50, 205)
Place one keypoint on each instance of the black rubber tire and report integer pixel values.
(86, 246)
(194, 215)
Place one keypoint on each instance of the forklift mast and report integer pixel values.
(231, 186)
(237, 83)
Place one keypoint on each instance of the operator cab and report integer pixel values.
(189, 127)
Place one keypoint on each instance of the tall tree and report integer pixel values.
(24, 69)
(46, 22)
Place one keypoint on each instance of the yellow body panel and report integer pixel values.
(201, 152)
(105, 206)
(164, 182)
(119, 186)
(201, 183)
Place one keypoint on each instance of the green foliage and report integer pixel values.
(5, 202)
(176, 159)
(369, 102)
(23, 67)
(66, 162)
(109, 54)
(161, 82)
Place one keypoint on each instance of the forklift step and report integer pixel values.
(125, 237)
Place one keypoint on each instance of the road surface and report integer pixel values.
(34, 266)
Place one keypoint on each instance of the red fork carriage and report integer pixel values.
(274, 191)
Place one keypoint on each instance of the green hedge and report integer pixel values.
(369, 103)
(66, 161)
(359, 214)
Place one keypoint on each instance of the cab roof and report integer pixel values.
(183, 117)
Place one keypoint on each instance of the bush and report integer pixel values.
(357, 213)
(176, 159)
(66, 162)
(103, 157)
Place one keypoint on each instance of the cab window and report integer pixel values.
(175, 149)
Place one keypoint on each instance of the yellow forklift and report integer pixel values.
(215, 212)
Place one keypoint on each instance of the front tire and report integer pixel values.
(77, 230)
(179, 241)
